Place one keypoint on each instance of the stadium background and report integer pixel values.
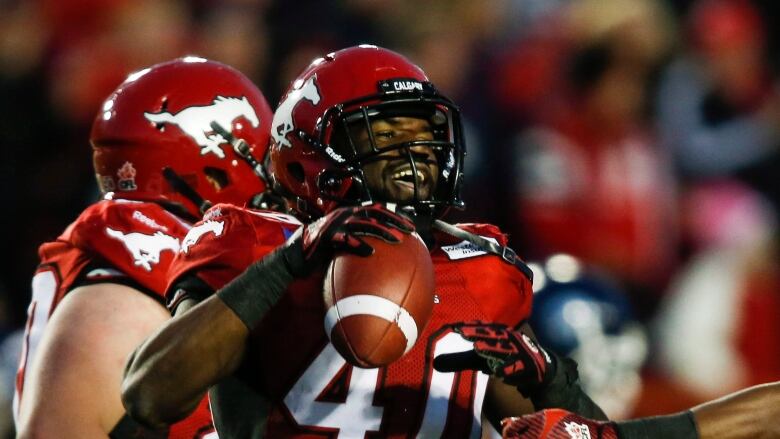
(638, 135)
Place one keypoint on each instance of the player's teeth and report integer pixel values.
(401, 174)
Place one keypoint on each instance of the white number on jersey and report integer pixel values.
(442, 387)
(357, 415)
(354, 417)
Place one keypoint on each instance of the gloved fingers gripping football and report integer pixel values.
(348, 242)
(389, 218)
(366, 227)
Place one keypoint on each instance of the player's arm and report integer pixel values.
(502, 401)
(753, 413)
(529, 372)
(73, 385)
(168, 374)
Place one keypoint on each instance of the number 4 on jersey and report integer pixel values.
(357, 415)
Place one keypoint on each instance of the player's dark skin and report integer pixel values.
(166, 376)
(752, 413)
(390, 178)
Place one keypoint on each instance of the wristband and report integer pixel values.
(564, 391)
(258, 288)
(680, 425)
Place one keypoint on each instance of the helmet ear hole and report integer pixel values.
(296, 171)
(217, 177)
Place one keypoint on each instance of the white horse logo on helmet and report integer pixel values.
(145, 249)
(283, 120)
(196, 121)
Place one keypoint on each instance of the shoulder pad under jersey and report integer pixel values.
(228, 239)
(502, 284)
(139, 239)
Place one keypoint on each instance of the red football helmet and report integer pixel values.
(313, 162)
(187, 132)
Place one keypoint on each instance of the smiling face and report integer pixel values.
(390, 175)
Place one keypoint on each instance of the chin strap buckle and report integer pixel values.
(504, 252)
(509, 255)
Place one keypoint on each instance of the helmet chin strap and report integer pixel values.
(506, 253)
(423, 222)
(179, 185)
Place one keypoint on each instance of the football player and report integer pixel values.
(98, 291)
(362, 144)
(749, 414)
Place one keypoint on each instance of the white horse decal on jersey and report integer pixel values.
(196, 121)
(196, 232)
(145, 249)
(283, 119)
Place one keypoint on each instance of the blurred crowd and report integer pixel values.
(639, 136)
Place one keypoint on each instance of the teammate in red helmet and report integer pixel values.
(170, 141)
(362, 144)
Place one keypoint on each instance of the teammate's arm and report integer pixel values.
(503, 401)
(752, 413)
(73, 384)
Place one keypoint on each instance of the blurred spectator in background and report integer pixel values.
(718, 104)
(718, 329)
(128, 36)
(10, 351)
(29, 133)
(234, 33)
(457, 61)
(590, 178)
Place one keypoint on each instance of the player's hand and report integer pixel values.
(503, 352)
(342, 230)
(556, 424)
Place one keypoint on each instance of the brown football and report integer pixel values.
(377, 305)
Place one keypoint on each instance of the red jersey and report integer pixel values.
(119, 241)
(311, 390)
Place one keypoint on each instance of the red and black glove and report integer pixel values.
(342, 230)
(503, 352)
(557, 424)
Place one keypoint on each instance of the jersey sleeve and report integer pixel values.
(222, 246)
(132, 240)
(506, 295)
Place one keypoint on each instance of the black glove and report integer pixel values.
(504, 352)
(313, 245)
